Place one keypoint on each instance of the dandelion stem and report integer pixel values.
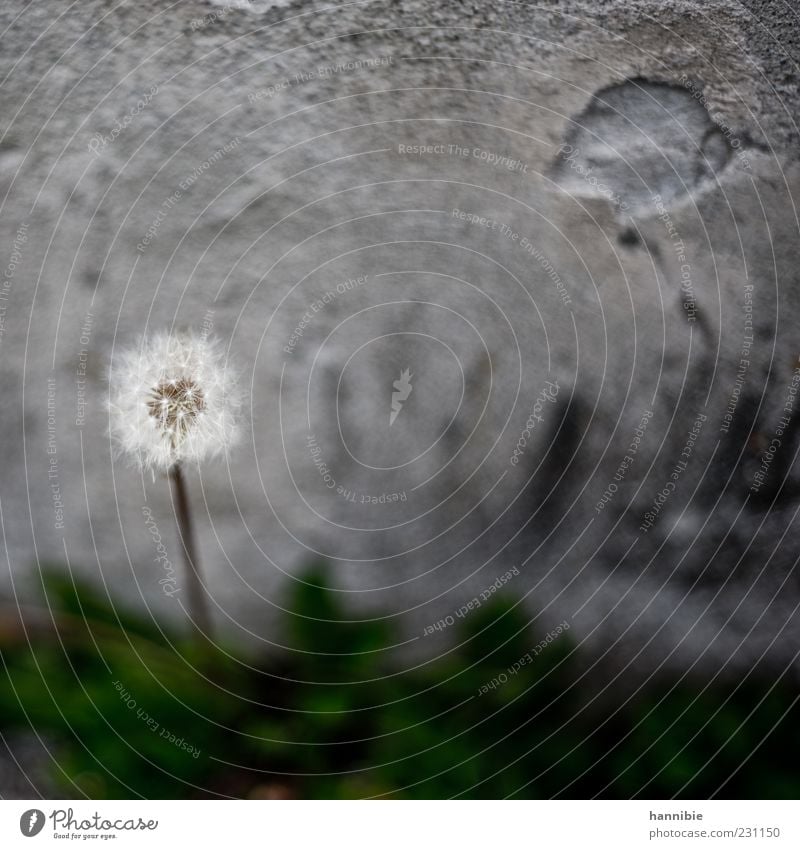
(198, 601)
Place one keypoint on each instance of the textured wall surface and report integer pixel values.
(578, 216)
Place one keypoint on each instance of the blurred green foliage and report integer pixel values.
(135, 710)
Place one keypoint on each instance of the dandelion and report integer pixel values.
(174, 401)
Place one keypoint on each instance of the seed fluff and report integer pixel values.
(173, 398)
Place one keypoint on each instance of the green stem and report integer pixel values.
(198, 600)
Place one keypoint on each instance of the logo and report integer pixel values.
(403, 389)
(31, 822)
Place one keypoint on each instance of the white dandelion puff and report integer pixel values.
(173, 399)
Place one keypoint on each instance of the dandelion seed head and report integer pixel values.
(175, 405)
(173, 398)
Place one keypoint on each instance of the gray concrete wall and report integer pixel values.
(636, 167)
